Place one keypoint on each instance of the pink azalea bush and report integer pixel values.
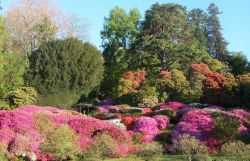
(106, 108)
(18, 130)
(148, 126)
(174, 106)
(244, 119)
(197, 123)
(162, 121)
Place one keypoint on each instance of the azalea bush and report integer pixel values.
(148, 126)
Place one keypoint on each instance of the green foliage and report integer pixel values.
(167, 112)
(3, 157)
(217, 66)
(163, 44)
(65, 66)
(136, 138)
(119, 31)
(196, 82)
(12, 69)
(42, 123)
(147, 96)
(149, 102)
(147, 91)
(23, 96)
(101, 148)
(243, 89)
(190, 147)
(225, 127)
(175, 85)
(124, 87)
(3, 33)
(60, 144)
(236, 150)
(150, 151)
(198, 20)
(61, 99)
(217, 45)
(238, 62)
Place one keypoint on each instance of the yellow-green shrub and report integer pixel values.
(60, 144)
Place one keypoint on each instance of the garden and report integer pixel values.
(164, 87)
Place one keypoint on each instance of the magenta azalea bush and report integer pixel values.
(148, 126)
(173, 105)
(162, 121)
(24, 129)
(18, 131)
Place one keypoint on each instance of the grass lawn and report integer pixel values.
(165, 158)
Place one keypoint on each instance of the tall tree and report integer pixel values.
(3, 33)
(119, 32)
(26, 21)
(217, 45)
(166, 39)
(198, 20)
(30, 22)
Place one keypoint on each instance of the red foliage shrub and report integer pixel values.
(136, 78)
(199, 69)
(213, 84)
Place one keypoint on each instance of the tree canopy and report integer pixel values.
(65, 65)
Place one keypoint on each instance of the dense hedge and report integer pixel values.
(65, 66)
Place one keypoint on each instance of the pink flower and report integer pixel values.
(147, 126)
(173, 105)
(162, 121)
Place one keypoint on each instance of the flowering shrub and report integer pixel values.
(174, 106)
(197, 123)
(215, 85)
(106, 108)
(128, 121)
(162, 121)
(28, 122)
(147, 126)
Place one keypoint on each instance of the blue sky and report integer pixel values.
(235, 19)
